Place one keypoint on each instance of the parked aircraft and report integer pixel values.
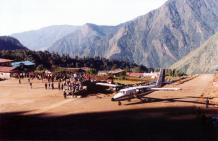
(115, 87)
(140, 91)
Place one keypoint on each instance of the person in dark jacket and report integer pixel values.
(207, 103)
(31, 85)
(46, 85)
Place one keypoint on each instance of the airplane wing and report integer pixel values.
(166, 89)
(107, 84)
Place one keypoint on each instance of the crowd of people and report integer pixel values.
(70, 83)
(73, 85)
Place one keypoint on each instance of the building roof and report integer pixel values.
(104, 72)
(2, 60)
(86, 68)
(116, 71)
(47, 71)
(73, 69)
(135, 74)
(7, 69)
(25, 63)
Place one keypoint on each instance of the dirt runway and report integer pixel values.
(37, 113)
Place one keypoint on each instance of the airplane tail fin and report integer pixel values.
(161, 78)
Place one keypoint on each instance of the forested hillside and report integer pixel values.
(46, 60)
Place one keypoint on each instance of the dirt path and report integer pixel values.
(191, 92)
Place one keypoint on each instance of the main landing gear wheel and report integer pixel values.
(146, 100)
(119, 103)
(142, 100)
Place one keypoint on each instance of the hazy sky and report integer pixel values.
(24, 15)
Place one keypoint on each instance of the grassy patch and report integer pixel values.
(132, 80)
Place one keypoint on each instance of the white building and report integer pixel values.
(5, 72)
(151, 74)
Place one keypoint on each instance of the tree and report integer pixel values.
(47, 60)
(40, 67)
(114, 67)
(92, 71)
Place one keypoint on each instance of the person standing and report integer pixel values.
(207, 103)
(62, 86)
(52, 85)
(46, 85)
(49, 85)
(59, 85)
(31, 85)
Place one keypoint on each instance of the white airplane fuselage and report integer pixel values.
(133, 92)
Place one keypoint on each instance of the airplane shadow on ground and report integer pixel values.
(141, 124)
(181, 99)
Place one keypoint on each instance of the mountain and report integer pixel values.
(157, 39)
(202, 60)
(89, 40)
(43, 38)
(10, 43)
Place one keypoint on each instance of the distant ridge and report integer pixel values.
(89, 40)
(202, 60)
(10, 43)
(43, 38)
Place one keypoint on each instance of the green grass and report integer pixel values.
(127, 82)
(132, 80)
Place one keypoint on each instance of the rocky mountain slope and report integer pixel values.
(202, 60)
(43, 38)
(10, 43)
(157, 39)
(89, 40)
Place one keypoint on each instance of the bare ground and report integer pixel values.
(37, 113)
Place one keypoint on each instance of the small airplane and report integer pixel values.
(140, 91)
(115, 87)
